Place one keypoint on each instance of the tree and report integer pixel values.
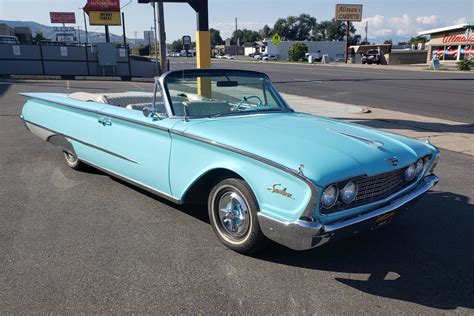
(297, 51)
(216, 38)
(333, 31)
(177, 46)
(265, 32)
(245, 36)
(38, 37)
(295, 28)
(417, 40)
(388, 41)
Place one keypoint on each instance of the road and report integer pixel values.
(83, 242)
(443, 95)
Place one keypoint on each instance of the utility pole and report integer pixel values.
(366, 29)
(162, 37)
(85, 25)
(79, 34)
(237, 40)
(107, 34)
(347, 41)
(153, 4)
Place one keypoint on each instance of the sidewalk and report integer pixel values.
(450, 135)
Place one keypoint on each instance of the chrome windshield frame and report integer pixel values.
(209, 72)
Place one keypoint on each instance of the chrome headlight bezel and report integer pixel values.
(410, 172)
(419, 166)
(344, 190)
(335, 196)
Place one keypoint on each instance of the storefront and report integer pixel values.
(450, 44)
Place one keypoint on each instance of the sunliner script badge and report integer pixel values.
(393, 161)
(278, 190)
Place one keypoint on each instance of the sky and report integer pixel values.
(386, 18)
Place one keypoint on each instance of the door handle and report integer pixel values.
(105, 121)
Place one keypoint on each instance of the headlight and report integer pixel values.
(419, 167)
(329, 196)
(410, 172)
(349, 192)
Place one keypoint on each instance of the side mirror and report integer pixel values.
(148, 111)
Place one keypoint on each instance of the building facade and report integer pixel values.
(450, 44)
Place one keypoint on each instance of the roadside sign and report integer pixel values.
(349, 12)
(102, 5)
(64, 29)
(104, 18)
(62, 17)
(63, 51)
(186, 42)
(276, 39)
(122, 52)
(66, 37)
(16, 50)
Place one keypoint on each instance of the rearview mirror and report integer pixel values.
(227, 83)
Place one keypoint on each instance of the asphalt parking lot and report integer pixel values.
(85, 242)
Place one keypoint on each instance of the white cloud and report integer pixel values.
(405, 25)
(461, 20)
(227, 28)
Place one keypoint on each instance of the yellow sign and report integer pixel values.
(276, 39)
(104, 18)
(349, 12)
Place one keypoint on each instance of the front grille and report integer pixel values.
(372, 189)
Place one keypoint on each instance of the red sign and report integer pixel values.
(451, 39)
(102, 5)
(62, 17)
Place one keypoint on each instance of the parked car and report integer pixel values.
(231, 142)
(7, 39)
(258, 56)
(227, 56)
(269, 57)
(372, 56)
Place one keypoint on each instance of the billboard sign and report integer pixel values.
(62, 17)
(104, 18)
(66, 37)
(349, 12)
(64, 29)
(186, 42)
(102, 5)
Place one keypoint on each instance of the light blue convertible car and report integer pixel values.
(227, 138)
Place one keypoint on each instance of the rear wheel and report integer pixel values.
(72, 161)
(233, 216)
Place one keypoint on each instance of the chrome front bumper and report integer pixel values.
(302, 235)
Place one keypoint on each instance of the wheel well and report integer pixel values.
(200, 189)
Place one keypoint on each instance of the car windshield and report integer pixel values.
(212, 93)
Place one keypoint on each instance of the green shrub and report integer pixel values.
(464, 64)
(297, 52)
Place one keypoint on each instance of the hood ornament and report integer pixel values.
(392, 160)
(371, 142)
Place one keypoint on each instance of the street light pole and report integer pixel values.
(85, 25)
(162, 37)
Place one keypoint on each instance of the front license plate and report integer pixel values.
(383, 220)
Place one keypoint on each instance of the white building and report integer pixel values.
(335, 50)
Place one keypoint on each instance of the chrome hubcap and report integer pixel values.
(234, 214)
(70, 157)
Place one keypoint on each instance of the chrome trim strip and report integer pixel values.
(309, 210)
(302, 235)
(82, 142)
(373, 143)
(136, 183)
(98, 112)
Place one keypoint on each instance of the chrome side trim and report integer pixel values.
(53, 132)
(309, 210)
(123, 118)
(302, 235)
(135, 183)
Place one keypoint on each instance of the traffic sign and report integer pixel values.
(276, 39)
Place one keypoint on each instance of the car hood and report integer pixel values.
(330, 150)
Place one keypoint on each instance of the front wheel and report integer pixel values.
(72, 161)
(233, 215)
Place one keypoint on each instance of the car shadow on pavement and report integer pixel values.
(425, 257)
(414, 125)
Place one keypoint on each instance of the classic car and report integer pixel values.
(227, 138)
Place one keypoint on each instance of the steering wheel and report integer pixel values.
(245, 100)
